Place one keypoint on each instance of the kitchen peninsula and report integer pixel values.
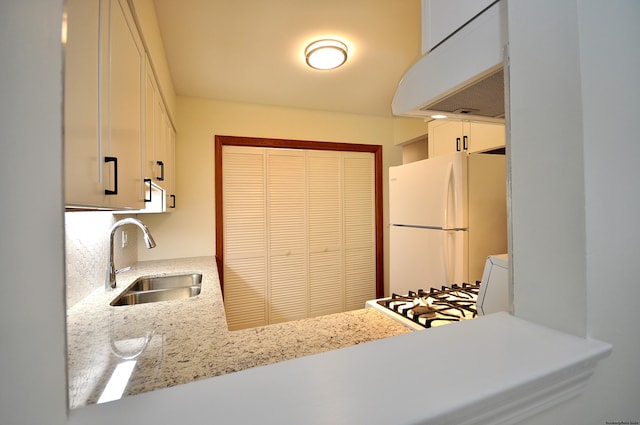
(174, 342)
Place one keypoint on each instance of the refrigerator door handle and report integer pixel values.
(448, 187)
(446, 260)
(449, 256)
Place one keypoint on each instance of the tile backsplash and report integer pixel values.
(87, 251)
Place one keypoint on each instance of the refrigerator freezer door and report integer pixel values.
(430, 193)
(421, 258)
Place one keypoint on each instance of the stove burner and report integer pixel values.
(437, 306)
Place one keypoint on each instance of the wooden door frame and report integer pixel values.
(376, 150)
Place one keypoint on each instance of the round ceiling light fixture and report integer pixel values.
(326, 54)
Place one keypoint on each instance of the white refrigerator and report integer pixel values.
(447, 215)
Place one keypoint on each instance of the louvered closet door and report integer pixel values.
(359, 229)
(286, 199)
(299, 233)
(326, 277)
(245, 237)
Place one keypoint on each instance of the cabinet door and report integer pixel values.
(150, 127)
(161, 148)
(83, 158)
(123, 65)
(172, 201)
(464, 136)
(445, 137)
(484, 137)
(165, 153)
(159, 140)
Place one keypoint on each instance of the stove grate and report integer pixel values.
(436, 306)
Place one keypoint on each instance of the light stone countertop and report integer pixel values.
(175, 342)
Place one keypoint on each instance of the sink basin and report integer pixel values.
(150, 283)
(149, 289)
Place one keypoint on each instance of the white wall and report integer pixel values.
(32, 315)
(610, 66)
(577, 110)
(547, 172)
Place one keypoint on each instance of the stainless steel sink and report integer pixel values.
(149, 289)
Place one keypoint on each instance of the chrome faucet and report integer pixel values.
(148, 240)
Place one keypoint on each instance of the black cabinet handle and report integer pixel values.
(173, 197)
(113, 159)
(457, 144)
(150, 191)
(465, 143)
(161, 164)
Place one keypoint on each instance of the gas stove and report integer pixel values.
(451, 303)
(435, 307)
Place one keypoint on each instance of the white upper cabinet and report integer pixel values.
(82, 153)
(150, 93)
(165, 153)
(447, 136)
(171, 169)
(104, 70)
(159, 141)
(123, 65)
(441, 18)
(118, 135)
(155, 131)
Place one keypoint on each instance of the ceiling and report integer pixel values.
(253, 50)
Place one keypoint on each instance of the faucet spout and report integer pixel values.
(110, 282)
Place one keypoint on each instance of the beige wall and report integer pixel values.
(407, 130)
(190, 230)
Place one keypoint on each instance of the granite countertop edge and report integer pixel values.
(175, 342)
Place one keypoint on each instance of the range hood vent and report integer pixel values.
(483, 98)
(463, 78)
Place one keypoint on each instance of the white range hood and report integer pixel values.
(461, 77)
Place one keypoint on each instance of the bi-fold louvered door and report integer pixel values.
(245, 235)
(359, 234)
(325, 262)
(286, 229)
(299, 233)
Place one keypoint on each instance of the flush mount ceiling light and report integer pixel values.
(326, 54)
